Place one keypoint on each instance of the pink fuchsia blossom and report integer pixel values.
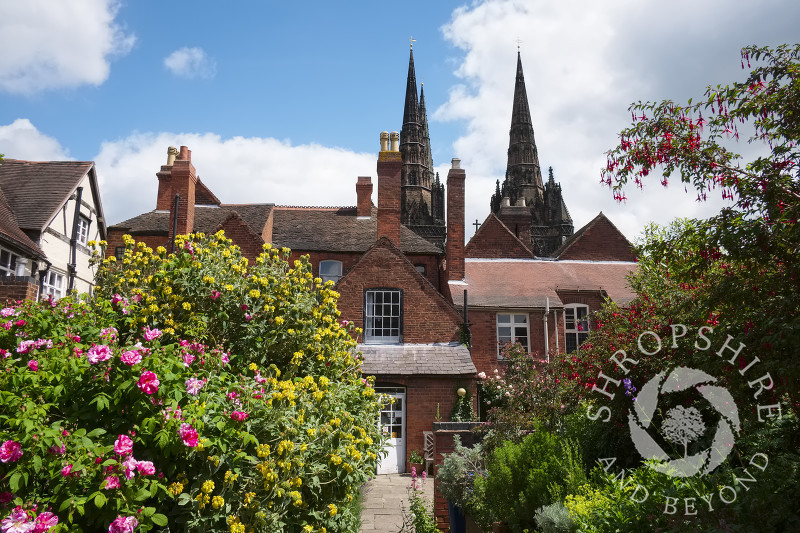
(123, 524)
(10, 451)
(67, 470)
(146, 468)
(33, 364)
(17, 522)
(123, 445)
(98, 353)
(239, 416)
(193, 385)
(151, 334)
(129, 467)
(188, 435)
(148, 382)
(131, 357)
(44, 522)
(111, 482)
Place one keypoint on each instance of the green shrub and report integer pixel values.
(460, 480)
(191, 392)
(554, 518)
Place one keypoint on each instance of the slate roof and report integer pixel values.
(206, 219)
(336, 229)
(526, 284)
(449, 359)
(37, 189)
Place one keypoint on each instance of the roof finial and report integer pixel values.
(519, 42)
(411, 41)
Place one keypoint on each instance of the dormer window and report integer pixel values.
(383, 314)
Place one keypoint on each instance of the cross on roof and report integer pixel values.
(411, 42)
(477, 225)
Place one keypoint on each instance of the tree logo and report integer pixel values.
(683, 425)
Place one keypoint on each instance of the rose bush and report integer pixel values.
(191, 392)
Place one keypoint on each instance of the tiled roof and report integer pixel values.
(582, 233)
(336, 230)
(450, 359)
(206, 219)
(10, 233)
(36, 190)
(528, 283)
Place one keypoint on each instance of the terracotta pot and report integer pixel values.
(418, 466)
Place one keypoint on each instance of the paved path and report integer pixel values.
(383, 500)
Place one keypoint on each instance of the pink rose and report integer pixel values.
(99, 353)
(151, 334)
(188, 435)
(187, 358)
(148, 382)
(122, 524)
(67, 470)
(129, 466)
(33, 364)
(17, 522)
(44, 522)
(111, 482)
(10, 451)
(239, 416)
(193, 385)
(130, 357)
(146, 468)
(123, 445)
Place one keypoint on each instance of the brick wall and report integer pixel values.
(427, 316)
(494, 240)
(444, 443)
(15, 288)
(601, 241)
(455, 222)
(240, 233)
(389, 167)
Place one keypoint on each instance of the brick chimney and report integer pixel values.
(389, 166)
(184, 180)
(364, 196)
(454, 247)
(164, 200)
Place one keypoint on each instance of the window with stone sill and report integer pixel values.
(576, 325)
(383, 316)
(512, 328)
(330, 270)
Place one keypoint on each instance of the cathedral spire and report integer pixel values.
(410, 111)
(426, 137)
(523, 174)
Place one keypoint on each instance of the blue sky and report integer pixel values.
(283, 101)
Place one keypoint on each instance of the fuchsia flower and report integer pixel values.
(44, 522)
(10, 451)
(193, 385)
(188, 435)
(239, 416)
(148, 382)
(96, 353)
(123, 524)
(33, 364)
(111, 482)
(131, 357)
(123, 445)
(151, 334)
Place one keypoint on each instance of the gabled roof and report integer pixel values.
(599, 240)
(494, 239)
(206, 219)
(527, 284)
(336, 229)
(37, 190)
(451, 359)
(11, 235)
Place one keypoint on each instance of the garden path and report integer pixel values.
(383, 500)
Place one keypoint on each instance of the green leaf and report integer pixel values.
(13, 483)
(141, 495)
(37, 463)
(159, 519)
(100, 500)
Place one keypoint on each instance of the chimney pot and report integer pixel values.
(521, 201)
(505, 202)
(384, 141)
(186, 154)
(172, 153)
(456, 163)
(395, 137)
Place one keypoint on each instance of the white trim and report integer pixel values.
(513, 324)
(558, 261)
(363, 218)
(456, 282)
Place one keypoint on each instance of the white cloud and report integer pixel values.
(584, 63)
(21, 140)
(50, 45)
(191, 63)
(237, 170)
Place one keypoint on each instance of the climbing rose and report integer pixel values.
(148, 383)
(17, 522)
(111, 482)
(188, 435)
(123, 445)
(67, 470)
(33, 364)
(146, 468)
(130, 467)
(151, 334)
(45, 521)
(99, 353)
(131, 357)
(193, 385)
(10, 451)
(123, 524)
(239, 416)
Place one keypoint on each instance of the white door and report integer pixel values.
(392, 423)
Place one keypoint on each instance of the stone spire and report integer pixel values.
(410, 115)
(523, 173)
(426, 138)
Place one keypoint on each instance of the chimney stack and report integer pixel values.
(454, 247)
(389, 166)
(364, 196)
(184, 181)
(165, 196)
